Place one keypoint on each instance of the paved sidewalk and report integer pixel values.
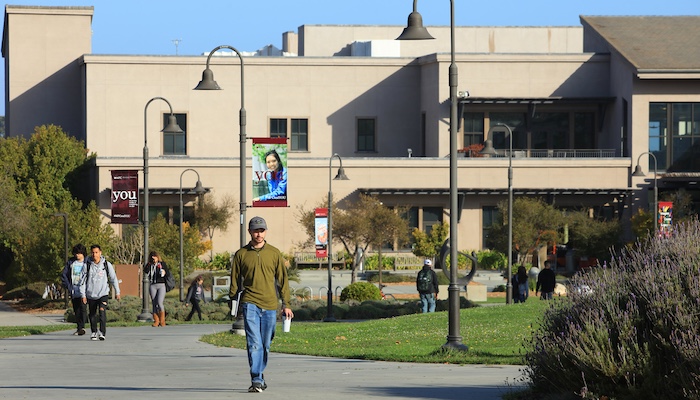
(171, 363)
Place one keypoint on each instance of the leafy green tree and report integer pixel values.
(212, 216)
(358, 225)
(429, 244)
(165, 239)
(592, 237)
(535, 223)
(43, 172)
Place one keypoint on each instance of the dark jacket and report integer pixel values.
(154, 275)
(546, 280)
(196, 291)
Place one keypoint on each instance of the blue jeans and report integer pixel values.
(427, 301)
(259, 331)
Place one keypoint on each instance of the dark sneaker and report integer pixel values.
(81, 332)
(76, 333)
(256, 387)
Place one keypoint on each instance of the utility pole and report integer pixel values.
(176, 42)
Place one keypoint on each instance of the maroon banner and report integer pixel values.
(125, 199)
(321, 232)
(269, 172)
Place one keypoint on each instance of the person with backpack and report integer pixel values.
(521, 288)
(70, 277)
(427, 285)
(94, 290)
(195, 294)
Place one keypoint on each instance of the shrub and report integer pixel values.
(360, 291)
(627, 331)
(491, 259)
(372, 262)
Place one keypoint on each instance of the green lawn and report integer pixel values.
(14, 331)
(494, 335)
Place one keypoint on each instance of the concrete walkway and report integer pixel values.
(171, 363)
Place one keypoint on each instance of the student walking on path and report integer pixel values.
(157, 271)
(260, 269)
(70, 277)
(94, 290)
(195, 294)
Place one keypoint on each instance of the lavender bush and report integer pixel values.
(628, 331)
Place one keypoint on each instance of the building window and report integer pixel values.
(171, 214)
(278, 127)
(300, 134)
(473, 128)
(584, 130)
(516, 122)
(297, 129)
(431, 216)
(175, 144)
(491, 217)
(674, 136)
(366, 134)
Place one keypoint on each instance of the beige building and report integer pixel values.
(585, 103)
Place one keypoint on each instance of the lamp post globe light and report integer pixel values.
(172, 127)
(208, 83)
(416, 31)
(488, 149)
(339, 177)
(198, 190)
(638, 172)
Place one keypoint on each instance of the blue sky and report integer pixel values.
(151, 26)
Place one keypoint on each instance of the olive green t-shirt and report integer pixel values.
(264, 276)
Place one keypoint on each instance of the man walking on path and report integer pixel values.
(70, 277)
(94, 290)
(427, 285)
(546, 280)
(260, 270)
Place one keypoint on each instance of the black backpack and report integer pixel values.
(425, 281)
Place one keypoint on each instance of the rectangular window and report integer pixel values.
(584, 130)
(490, 218)
(300, 134)
(516, 122)
(473, 128)
(278, 128)
(366, 134)
(431, 216)
(658, 131)
(175, 144)
(296, 129)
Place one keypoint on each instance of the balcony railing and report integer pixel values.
(550, 153)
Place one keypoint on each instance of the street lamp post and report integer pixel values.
(199, 190)
(638, 172)
(415, 31)
(172, 127)
(339, 177)
(65, 245)
(208, 83)
(488, 149)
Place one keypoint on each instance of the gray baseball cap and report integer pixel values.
(257, 223)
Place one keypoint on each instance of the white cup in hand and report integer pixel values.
(286, 324)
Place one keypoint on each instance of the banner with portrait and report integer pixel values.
(665, 218)
(321, 232)
(270, 172)
(125, 199)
